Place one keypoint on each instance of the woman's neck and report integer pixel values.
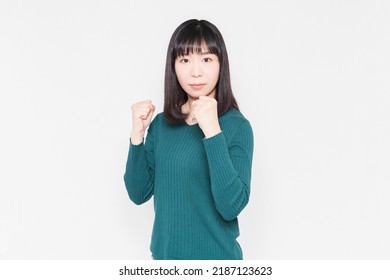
(186, 109)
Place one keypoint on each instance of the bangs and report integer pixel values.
(197, 41)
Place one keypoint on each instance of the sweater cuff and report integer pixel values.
(216, 139)
(136, 145)
(136, 151)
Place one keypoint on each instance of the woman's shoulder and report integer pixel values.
(158, 118)
(155, 123)
(160, 121)
(233, 116)
(233, 122)
(235, 126)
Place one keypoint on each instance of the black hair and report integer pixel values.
(188, 38)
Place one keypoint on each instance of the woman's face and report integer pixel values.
(198, 73)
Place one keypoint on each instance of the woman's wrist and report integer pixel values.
(136, 138)
(212, 131)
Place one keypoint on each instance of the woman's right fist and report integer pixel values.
(142, 116)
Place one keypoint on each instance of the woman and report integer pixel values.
(197, 157)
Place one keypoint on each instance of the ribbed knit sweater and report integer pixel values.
(199, 186)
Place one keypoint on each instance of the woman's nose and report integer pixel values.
(196, 70)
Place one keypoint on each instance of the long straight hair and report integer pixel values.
(188, 38)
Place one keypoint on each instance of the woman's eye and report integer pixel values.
(207, 59)
(184, 60)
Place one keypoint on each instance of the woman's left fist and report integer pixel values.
(205, 111)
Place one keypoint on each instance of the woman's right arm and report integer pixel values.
(139, 174)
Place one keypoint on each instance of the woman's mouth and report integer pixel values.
(197, 86)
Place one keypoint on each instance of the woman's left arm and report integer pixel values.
(230, 168)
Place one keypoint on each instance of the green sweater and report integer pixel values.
(199, 186)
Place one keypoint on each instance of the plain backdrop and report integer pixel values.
(313, 77)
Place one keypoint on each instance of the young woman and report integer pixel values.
(197, 157)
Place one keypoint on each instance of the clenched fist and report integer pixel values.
(142, 116)
(205, 111)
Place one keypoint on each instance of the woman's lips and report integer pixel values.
(197, 86)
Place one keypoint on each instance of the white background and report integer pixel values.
(313, 77)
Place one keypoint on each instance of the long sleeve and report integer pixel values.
(230, 170)
(139, 174)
